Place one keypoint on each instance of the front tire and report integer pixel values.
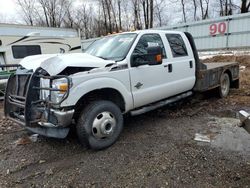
(224, 85)
(99, 124)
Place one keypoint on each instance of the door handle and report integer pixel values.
(169, 66)
(191, 64)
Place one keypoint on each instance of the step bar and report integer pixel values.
(160, 104)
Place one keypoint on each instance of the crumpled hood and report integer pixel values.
(56, 63)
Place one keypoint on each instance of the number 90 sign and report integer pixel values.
(218, 28)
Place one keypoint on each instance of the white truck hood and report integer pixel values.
(56, 63)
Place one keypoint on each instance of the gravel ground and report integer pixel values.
(156, 149)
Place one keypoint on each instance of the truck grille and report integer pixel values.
(16, 96)
(23, 103)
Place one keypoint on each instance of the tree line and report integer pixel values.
(99, 17)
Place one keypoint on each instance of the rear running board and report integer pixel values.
(160, 104)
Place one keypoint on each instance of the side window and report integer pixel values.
(177, 45)
(149, 40)
(22, 51)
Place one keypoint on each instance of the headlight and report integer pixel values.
(62, 85)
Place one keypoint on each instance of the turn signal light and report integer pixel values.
(158, 58)
(63, 87)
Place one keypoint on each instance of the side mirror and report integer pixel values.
(153, 57)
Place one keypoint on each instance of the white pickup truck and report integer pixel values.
(132, 72)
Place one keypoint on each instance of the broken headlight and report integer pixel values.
(61, 87)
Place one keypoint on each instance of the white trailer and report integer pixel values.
(19, 41)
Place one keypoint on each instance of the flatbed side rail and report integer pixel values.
(208, 79)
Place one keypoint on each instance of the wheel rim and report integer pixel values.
(225, 86)
(103, 125)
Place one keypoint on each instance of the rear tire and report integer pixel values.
(224, 85)
(99, 125)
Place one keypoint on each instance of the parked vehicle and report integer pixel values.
(132, 72)
(18, 41)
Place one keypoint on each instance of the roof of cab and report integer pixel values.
(153, 31)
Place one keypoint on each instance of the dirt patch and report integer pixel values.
(156, 149)
(243, 60)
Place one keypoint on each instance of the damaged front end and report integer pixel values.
(33, 100)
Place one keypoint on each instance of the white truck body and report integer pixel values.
(130, 72)
(158, 79)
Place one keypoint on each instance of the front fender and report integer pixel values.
(76, 92)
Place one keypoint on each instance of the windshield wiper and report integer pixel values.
(102, 57)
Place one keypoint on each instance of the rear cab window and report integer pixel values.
(177, 45)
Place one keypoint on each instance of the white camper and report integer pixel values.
(19, 41)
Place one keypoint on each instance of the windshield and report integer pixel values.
(113, 47)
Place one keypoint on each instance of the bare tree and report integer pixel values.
(54, 11)
(245, 5)
(106, 16)
(107, 7)
(114, 15)
(145, 5)
(226, 7)
(148, 12)
(183, 10)
(119, 14)
(28, 10)
(204, 5)
(103, 7)
(195, 9)
(136, 15)
(159, 9)
(69, 19)
(151, 10)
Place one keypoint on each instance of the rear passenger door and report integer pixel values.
(182, 62)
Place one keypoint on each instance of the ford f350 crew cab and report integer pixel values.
(131, 72)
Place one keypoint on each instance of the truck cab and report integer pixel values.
(131, 72)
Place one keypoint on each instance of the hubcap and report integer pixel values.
(224, 86)
(103, 125)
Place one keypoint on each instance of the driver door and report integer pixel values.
(148, 83)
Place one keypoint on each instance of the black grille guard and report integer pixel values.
(23, 103)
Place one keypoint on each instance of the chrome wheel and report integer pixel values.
(224, 85)
(103, 125)
(99, 125)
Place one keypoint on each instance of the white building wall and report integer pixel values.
(222, 33)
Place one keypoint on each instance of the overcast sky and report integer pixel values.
(9, 11)
(7, 7)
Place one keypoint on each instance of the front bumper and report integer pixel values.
(25, 105)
